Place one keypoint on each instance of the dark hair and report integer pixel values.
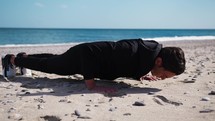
(173, 59)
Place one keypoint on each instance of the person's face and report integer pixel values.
(160, 72)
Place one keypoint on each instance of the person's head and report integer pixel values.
(169, 62)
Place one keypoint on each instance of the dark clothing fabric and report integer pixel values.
(106, 60)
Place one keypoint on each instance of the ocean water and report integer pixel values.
(23, 36)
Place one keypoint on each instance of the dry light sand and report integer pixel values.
(49, 97)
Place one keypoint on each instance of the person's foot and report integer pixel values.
(21, 54)
(22, 70)
(8, 69)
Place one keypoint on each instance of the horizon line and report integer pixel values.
(104, 28)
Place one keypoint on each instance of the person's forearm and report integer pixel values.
(90, 84)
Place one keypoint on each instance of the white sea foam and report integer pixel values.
(176, 38)
(182, 38)
(34, 45)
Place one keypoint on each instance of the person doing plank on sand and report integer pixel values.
(133, 58)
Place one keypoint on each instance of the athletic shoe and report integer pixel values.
(8, 69)
(23, 71)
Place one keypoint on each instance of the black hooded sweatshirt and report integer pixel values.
(131, 58)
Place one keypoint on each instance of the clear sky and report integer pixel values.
(108, 13)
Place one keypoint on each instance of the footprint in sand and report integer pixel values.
(164, 99)
(49, 118)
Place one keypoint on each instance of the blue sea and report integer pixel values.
(35, 36)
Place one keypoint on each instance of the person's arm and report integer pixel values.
(91, 84)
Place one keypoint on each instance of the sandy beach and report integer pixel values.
(50, 97)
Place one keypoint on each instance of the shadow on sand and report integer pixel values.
(67, 86)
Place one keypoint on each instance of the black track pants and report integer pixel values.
(64, 64)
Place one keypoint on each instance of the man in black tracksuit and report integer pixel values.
(106, 60)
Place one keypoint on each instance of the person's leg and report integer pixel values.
(42, 55)
(64, 64)
(25, 71)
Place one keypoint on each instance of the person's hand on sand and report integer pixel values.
(149, 78)
(91, 85)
